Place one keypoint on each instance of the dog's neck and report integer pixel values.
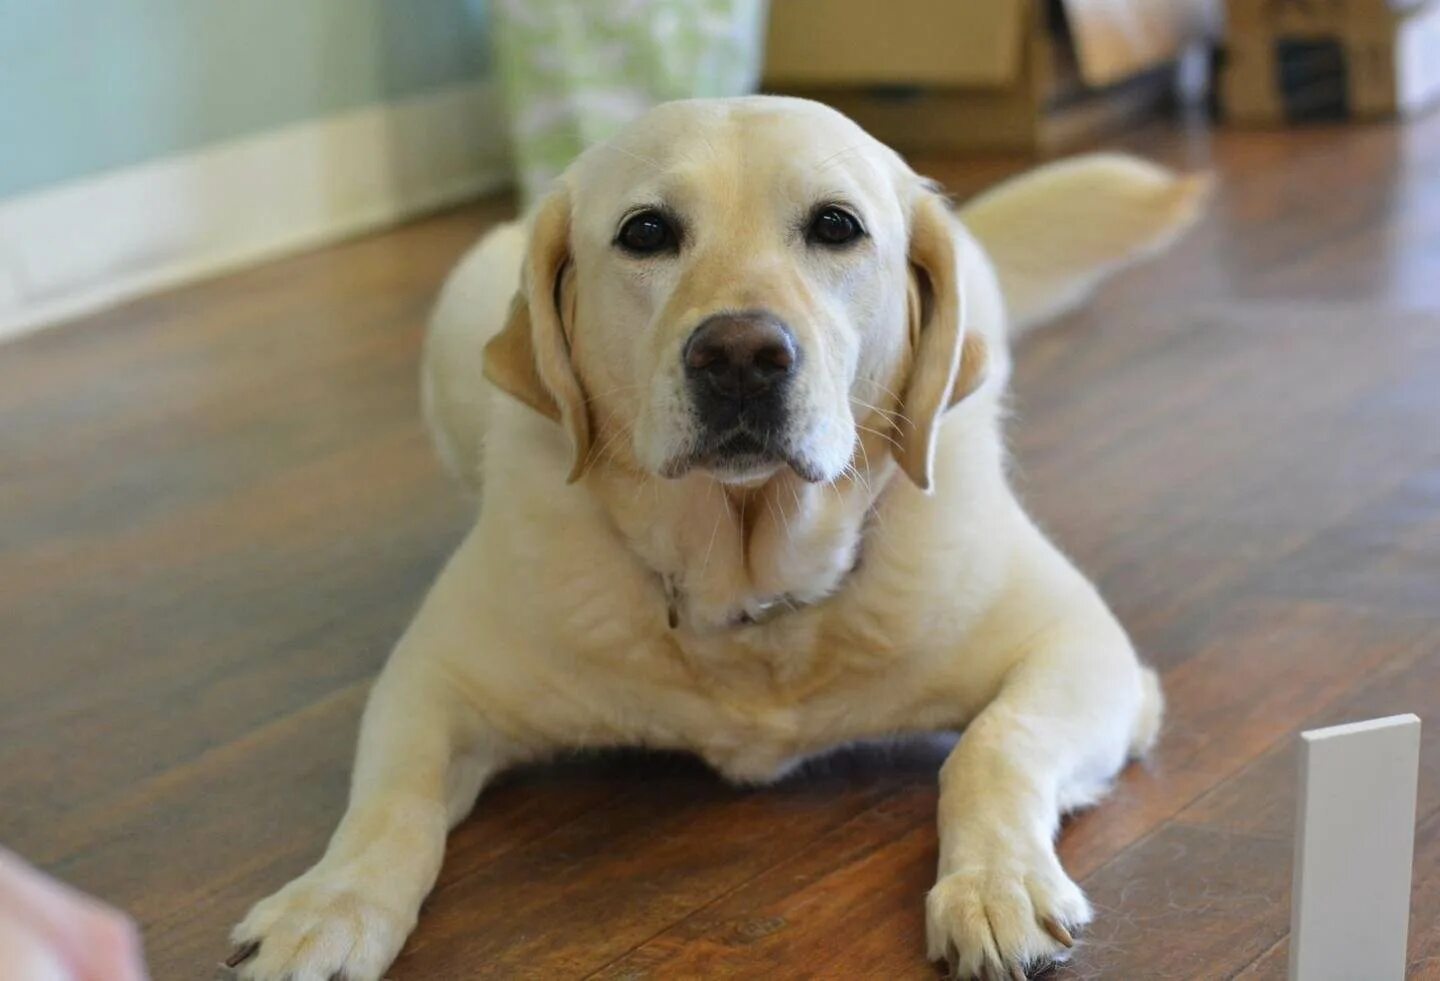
(726, 556)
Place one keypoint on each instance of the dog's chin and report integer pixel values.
(742, 460)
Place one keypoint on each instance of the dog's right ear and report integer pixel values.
(530, 357)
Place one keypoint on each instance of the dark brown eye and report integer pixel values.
(833, 226)
(647, 233)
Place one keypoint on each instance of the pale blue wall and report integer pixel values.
(90, 85)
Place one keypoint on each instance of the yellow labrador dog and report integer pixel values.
(744, 494)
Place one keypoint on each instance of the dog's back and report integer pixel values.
(471, 310)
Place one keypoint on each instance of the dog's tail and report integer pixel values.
(1057, 231)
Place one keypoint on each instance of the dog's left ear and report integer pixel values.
(947, 362)
(530, 357)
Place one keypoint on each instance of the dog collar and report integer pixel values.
(763, 613)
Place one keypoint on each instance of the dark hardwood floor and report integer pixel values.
(218, 509)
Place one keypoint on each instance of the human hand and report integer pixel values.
(51, 932)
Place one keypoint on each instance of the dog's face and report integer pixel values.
(738, 286)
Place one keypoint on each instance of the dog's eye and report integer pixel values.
(833, 226)
(647, 233)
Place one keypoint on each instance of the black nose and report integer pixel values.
(740, 355)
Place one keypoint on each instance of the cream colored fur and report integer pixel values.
(755, 621)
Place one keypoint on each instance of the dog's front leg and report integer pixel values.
(423, 755)
(1057, 732)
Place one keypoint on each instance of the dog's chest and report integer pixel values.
(849, 664)
(753, 697)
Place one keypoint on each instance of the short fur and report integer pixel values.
(888, 581)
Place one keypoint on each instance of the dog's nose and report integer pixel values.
(740, 355)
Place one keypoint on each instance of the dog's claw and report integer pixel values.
(1016, 974)
(1057, 930)
(242, 953)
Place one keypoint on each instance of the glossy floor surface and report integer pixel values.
(218, 509)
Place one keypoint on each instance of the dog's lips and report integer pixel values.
(740, 444)
(740, 456)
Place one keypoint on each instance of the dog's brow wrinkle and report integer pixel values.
(612, 145)
(835, 157)
(865, 160)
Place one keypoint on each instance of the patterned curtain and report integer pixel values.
(574, 71)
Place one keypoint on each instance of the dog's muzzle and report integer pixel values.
(738, 367)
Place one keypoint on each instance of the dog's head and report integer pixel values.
(740, 286)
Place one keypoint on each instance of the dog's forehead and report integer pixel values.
(751, 146)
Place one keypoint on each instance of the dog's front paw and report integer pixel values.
(323, 925)
(1000, 914)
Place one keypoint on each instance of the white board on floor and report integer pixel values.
(1354, 850)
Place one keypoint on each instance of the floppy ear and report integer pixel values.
(530, 357)
(947, 363)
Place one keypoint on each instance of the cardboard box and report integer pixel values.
(956, 75)
(1293, 61)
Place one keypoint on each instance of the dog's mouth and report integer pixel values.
(741, 455)
(739, 445)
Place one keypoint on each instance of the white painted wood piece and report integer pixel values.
(1354, 851)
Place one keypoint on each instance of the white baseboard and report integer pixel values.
(76, 248)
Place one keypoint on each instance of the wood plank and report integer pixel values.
(1209, 481)
(1235, 700)
(847, 905)
(664, 847)
(1260, 800)
(1187, 902)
